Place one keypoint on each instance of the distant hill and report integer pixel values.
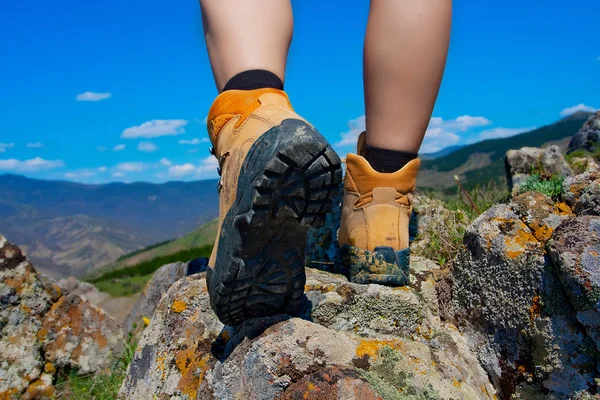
(441, 153)
(481, 162)
(70, 228)
(203, 236)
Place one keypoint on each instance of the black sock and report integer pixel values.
(384, 160)
(254, 79)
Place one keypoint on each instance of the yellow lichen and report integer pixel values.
(49, 368)
(455, 383)
(178, 306)
(371, 347)
(146, 321)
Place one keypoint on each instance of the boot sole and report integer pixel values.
(383, 265)
(287, 184)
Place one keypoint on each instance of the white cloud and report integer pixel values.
(574, 109)
(131, 167)
(118, 174)
(206, 168)
(80, 173)
(443, 133)
(181, 170)
(101, 169)
(35, 145)
(355, 127)
(148, 147)
(119, 147)
(92, 96)
(194, 141)
(101, 148)
(34, 164)
(165, 162)
(496, 133)
(4, 146)
(156, 128)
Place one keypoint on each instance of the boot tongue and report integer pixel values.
(366, 179)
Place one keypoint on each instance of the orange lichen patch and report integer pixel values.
(518, 243)
(536, 309)
(188, 362)
(49, 368)
(456, 384)
(16, 283)
(9, 394)
(563, 209)
(38, 390)
(521, 369)
(542, 232)
(100, 339)
(404, 288)
(371, 347)
(58, 303)
(25, 308)
(320, 288)
(178, 306)
(41, 335)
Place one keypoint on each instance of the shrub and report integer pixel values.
(551, 187)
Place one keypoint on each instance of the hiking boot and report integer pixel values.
(278, 178)
(373, 234)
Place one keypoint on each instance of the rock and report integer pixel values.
(584, 164)
(540, 213)
(83, 289)
(46, 331)
(588, 136)
(349, 351)
(575, 251)
(582, 193)
(161, 281)
(510, 305)
(522, 163)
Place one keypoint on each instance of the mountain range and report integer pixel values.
(70, 228)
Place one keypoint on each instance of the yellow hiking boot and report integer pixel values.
(373, 234)
(278, 178)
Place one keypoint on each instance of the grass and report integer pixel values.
(127, 286)
(104, 386)
(445, 235)
(130, 280)
(147, 248)
(580, 166)
(551, 187)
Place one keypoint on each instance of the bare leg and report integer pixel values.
(405, 53)
(246, 34)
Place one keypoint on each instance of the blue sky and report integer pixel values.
(104, 90)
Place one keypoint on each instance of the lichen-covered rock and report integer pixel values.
(582, 193)
(575, 251)
(44, 330)
(161, 281)
(584, 164)
(588, 136)
(540, 213)
(509, 303)
(187, 353)
(521, 163)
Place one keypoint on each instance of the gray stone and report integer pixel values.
(522, 163)
(85, 290)
(186, 353)
(575, 251)
(582, 193)
(160, 283)
(513, 311)
(45, 331)
(588, 136)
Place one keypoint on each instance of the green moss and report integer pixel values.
(127, 286)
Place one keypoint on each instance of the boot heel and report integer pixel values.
(384, 265)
